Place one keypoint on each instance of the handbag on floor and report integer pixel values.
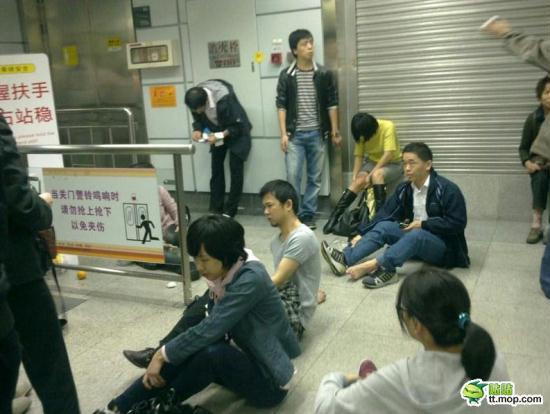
(350, 220)
(166, 402)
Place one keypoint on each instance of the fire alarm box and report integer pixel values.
(147, 55)
(277, 52)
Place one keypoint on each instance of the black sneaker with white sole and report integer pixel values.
(334, 258)
(379, 279)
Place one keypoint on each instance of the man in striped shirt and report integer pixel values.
(307, 103)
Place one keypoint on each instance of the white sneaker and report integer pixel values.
(334, 258)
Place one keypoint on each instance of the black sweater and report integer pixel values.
(531, 129)
(26, 214)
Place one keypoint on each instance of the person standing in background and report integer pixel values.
(307, 104)
(218, 113)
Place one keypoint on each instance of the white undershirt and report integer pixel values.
(419, 200)
(210, 109)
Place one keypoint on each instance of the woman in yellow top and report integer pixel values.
(377, 156)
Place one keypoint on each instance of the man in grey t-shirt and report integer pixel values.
(301, 246)
(295, 249)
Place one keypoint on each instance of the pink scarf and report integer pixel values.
(217, 287)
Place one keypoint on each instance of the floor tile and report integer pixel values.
(119, 313)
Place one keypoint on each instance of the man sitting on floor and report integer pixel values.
(297, 263)
(425, 218)
(295, 251)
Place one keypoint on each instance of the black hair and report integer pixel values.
(363, 125)
(541, 84)
(282, 191)
(141, 165)
(295, 37)
(436, 298)
(222, 238)
(195, 98)
(420, 149)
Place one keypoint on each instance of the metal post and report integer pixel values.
(182, 225)
(131, 130)
(111, 142)
(176, 151)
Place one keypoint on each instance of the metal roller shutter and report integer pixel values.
(426, 66)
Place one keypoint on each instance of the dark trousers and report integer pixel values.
(540, 183)
(217, 182)
(10, 358)
(193, 315)
(171, 235)
(44, 355)
(219, 363)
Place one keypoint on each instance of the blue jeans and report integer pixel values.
(417, 243)
(308, 147)
(545, 272)
(219, 363)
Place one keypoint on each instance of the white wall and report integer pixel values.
(168, 125)
(274, 19)
(11, 41)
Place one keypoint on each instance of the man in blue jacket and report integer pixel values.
(425, 219)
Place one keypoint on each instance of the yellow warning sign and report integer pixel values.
(162, 96)
(70, 55)
(259, 57)
(114, 44)
(17, 68)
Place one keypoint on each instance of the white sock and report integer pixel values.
(537, 220)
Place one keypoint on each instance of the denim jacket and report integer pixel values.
(252, 312)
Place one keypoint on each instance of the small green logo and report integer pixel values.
(473, 392)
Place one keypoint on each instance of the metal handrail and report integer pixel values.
(128, 111)
(180, 149)
(176, 151)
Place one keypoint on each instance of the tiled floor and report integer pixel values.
(354, 323)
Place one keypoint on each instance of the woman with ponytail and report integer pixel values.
(433, 307)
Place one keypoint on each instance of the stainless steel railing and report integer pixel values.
(176, 151)
(130, 124)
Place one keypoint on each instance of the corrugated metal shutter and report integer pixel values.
(426, 66)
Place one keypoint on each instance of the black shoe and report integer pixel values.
(380, 278)
(110, 409)
(310, 222)
(379, 195)
(140, 359)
